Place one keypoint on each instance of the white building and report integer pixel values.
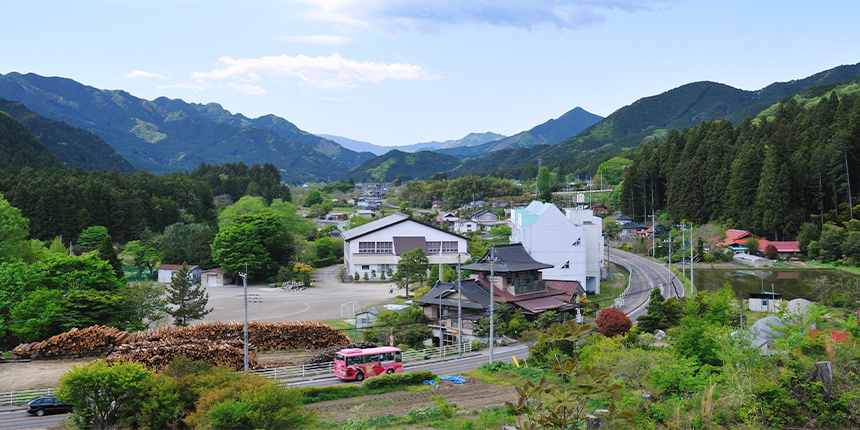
(378, 245)
(572, 243)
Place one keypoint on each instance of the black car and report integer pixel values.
(47, 405)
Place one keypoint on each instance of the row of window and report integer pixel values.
(374, 358)
(388, 247)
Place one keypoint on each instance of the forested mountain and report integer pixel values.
(403, 165)
(769, 175)
(213, 112)
(75, 147)
(551, 132)
(160, 139)
(237, 180)
(19, 148)
(652, 117)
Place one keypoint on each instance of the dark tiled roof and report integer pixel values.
(509, 258)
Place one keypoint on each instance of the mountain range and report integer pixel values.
(165, 135)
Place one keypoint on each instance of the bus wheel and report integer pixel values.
(359, 376)
(389, 371)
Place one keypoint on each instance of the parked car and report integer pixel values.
(47, 405)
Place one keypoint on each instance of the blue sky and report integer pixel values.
(397, 72)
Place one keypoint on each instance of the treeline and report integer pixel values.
(768, 175)
(237, 180)
(455, 192)
(65, 202)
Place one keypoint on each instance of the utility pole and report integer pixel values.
(692, 284)
(441, 334)
(492, 317)
(459, 311)
(245, 286)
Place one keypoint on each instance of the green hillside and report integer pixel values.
(73, 146)
(213, 112)
(19, 148)
(159, 139)
(404, 165)
(651, 117)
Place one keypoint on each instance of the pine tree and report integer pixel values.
(189, 298)
(107, 253)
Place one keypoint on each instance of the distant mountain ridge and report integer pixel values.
(650, 118)
(404, 165)
(75, 147)
(470, 140)
(171, 135)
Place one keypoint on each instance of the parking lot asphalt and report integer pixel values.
(328, 298)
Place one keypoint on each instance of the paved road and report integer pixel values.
(645, 275)
(328, 299)
(447, 366)
(22, 420)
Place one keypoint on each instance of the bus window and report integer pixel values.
(398, 357)
(338, 357)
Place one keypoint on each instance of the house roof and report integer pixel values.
(571, 289)
(508, 258)
(215, 270)
(174, 267)
(543, 304)
(632, 226)
(390, 220)
(477, 298)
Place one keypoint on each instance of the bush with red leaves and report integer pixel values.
(612, 322)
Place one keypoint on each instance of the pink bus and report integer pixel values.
(357, 364)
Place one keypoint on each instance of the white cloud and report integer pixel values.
(192, 87)
(434, 15)
(249, 89)
(319, 39)
(142, 74)
(332, 72)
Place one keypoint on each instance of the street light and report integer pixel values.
(245, 286)
(492, 317)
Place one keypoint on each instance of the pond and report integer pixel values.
(790, 283)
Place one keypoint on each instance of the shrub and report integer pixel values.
(612, 322)
(332, 392)
(397, 379)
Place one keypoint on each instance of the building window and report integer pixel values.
(366, 247)
(384, 247)
(433, 247)
(365, 267)
(449, 247)
(566, 265)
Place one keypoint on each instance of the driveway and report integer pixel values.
(329, 298)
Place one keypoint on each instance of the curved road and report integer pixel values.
(645, 275)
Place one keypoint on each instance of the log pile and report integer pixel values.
(157, 355)
(327, 355)
(91, 341)
(102, 340)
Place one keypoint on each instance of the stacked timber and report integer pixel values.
(89, 342)
(327, 355)
(102, 340)
(157, 355)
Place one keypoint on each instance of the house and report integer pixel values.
(464, 226)
(631, 229)
(571, 243)
(378, 245)
(214, 278)
(437, 204)
(166, 271)
(620, 219)
(367, 318)
(441, 305)
(516, 278)
(483, 215)
(738, 238)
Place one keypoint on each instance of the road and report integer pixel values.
(19, 420)
(446, 367)
(645, 275)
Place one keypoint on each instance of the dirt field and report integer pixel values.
(35, 374)
(474, 395)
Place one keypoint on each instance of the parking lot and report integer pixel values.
(329, 298)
